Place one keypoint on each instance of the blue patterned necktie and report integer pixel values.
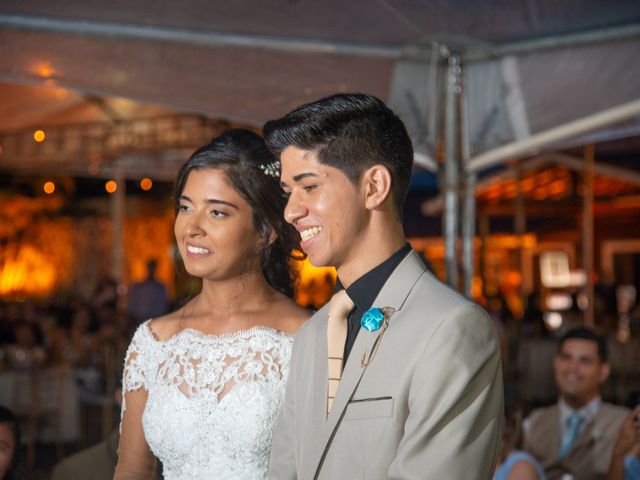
(573, 428)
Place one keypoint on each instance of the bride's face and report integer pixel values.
(214, 228)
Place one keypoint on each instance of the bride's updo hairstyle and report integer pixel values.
(255, 174)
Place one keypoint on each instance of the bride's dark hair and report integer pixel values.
(252, 170)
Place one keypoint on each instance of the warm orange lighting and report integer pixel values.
(61, 93)
(476, 286)
(111, 186)
(557, 188)
(28, 272)
(49, 188)
(528, 184)
(315, 284)
(513, 278)
(44, 69)
(146, 184)
(540, 193)
(39, 136)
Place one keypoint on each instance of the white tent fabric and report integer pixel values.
(248, 61)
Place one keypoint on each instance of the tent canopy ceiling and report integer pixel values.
(213, 58)
(386, 22)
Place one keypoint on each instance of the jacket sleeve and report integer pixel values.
(455, 402)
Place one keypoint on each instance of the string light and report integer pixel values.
(39, 136)
(146, 184)
(49, 188)
(44, 69)
(111, 186)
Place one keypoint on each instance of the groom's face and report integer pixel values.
(324, 206)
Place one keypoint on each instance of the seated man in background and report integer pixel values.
(575, 436)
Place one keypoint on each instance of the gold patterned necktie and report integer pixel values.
(340, 307)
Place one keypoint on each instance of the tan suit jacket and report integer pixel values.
(590, 455)
(428, 406)
(94, 463)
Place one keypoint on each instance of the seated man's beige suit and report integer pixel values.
(590, 455)
(427, 407)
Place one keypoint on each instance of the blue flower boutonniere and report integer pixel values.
(372, 319)
(376, 318)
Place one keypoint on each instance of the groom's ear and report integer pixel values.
(376, 184)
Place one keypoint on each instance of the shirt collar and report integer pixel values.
(365, 289)
(587, 412)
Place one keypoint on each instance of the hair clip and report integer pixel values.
(272, 169)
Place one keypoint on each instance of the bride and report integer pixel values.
(203, 385)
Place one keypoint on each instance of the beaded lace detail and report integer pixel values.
(212, 400)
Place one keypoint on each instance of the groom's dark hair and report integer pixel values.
(351, 132)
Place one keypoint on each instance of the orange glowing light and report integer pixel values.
(528, 184)
(513, 278)
(540, 193)
(111, 186)
(30, 272)
(39, 136)
(61, 93)
(315, 284)
(146, 184)
(49, 188)
(44, 69)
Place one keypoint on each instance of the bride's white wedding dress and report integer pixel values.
(212, 400)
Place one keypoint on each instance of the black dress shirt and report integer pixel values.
(365, 290)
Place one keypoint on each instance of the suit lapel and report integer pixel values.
(393, 294)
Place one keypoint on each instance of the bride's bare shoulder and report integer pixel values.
(290, 315)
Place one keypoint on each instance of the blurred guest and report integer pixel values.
(81, 338)
(27, 351)
(532, 320)
(11, 316)
(574, 438)
(9, 443)
(513, 463)
(147, 299)
(55, 339)
(106, 293)
(625, 461)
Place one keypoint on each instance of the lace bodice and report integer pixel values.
(212, 401)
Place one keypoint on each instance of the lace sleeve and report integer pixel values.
(135, 461)
(134, 372)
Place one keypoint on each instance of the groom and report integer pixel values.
(402, 380)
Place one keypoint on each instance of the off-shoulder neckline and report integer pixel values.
(243, 332)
